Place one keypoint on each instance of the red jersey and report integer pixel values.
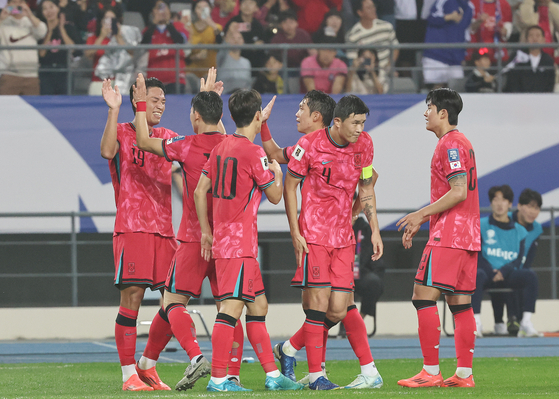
(161, 64)
(239, 173)
(457, 227)
(331, 173)
(192, 152)
(142, 184)
(498, 13)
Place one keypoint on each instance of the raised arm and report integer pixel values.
(290, 199)
(144, 142)
(109, 142)
(201, 202)
(272, 149)
(369, 203)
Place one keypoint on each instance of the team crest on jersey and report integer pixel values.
(250, 285)
(131, 268)
(316, 271)
(453, 155)
(264, 161)
(455, 165)
(173, 139)
(357, 159)
(298, 152)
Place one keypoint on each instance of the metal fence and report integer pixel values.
(74, 69)
(73, 243)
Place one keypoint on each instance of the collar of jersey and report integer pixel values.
(239, 136)
(134, 128)
(211, 133)
(332, 140)
(502, 225)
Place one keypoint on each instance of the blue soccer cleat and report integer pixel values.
(282, 383)
(323, 384)
(288, 363)
(226, 386)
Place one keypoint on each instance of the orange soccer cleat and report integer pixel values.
(135, 384)
(423, 379)
(151, 378)
(458, 382)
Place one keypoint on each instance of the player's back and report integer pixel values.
(142, 184)
(239, 172)
(191, 152)
(457, 227)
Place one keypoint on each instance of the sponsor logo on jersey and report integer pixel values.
(453, 155)
(325, 162)
(357, 159)
(490, 237)
(13, 40)
(298, 152)
(264, 161)
(455, 165)
(173, 139)
(499, 253)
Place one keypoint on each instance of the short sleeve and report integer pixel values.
(287, 151)
(452, 159)
(207, 169)
(260, 170)
(299, 159)
(175, 148)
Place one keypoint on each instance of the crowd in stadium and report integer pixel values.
(234, 22)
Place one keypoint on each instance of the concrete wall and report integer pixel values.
(93, 323)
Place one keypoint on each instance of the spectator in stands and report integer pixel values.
(75, 13)
(480, 80)
(203, 30)
(500, 262)
(311, 12)
(533, 72)
(333, 26)
(111, 64)
(365, 76)
(162, 61)
(268, 15)
(372, 31)
(96, 7)
(324, 71)
(492, 21)
(291, 33)
(269, 80)
(411, 23)
(19, 69)
(252, 31)
(447, 23)
(544, 13)
(233, 69)
(53, 74)
(224, 10)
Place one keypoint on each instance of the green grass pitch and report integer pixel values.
(495, 377)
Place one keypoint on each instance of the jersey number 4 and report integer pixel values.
(222, 175)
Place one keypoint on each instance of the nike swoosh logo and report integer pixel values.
(318, 347)
(129, 334)
(12, 40)
(325, 162)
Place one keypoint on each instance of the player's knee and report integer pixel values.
(131, 297)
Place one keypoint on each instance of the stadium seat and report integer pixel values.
(403, 85)
(178, 7)
(458, 84)
(133, 18)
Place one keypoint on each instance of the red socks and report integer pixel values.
(160, 334)
(237, 350)
(183, 329)
(260, 340)
(464, 336)
(298, 339)
(356, 332)
(222, 340)
(314, 333)
(429, 330)
(125, 335)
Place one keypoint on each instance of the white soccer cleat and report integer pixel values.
(363, 381)
(501, 329)
(528, 330)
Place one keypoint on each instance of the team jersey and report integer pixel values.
(330, 174)
(239, 173)
(142, 184)
(161, 64)
(192, 152)
(503, 243)
(457, 227)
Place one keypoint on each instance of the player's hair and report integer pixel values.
(505, 189)
(150, 82)
(528, 195)
(320, 102)
(348, 105)
(445, 98)
(209, 105)
(243, 105)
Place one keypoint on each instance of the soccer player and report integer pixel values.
(237, 172)
(188, 268)
(449, 261)
(332, 161)
(143, 240)
(315, 112)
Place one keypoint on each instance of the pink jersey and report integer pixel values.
(239, 173)
(331, 173)
(457, 227)
(192, 152)
(142, 184)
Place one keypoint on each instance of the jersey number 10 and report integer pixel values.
(221, 175)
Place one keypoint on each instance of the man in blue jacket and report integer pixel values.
(503, 243)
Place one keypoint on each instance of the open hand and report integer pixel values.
(113, 98)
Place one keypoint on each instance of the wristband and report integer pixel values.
(141, 106)
(265, 132)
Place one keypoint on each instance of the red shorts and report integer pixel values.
(188, 271)
(449, 269)
(238, 278)
(142, 258)
(326, 267)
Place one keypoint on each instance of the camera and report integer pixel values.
(14, 10)
(367, 61)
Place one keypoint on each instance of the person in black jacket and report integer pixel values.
(533, 72)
